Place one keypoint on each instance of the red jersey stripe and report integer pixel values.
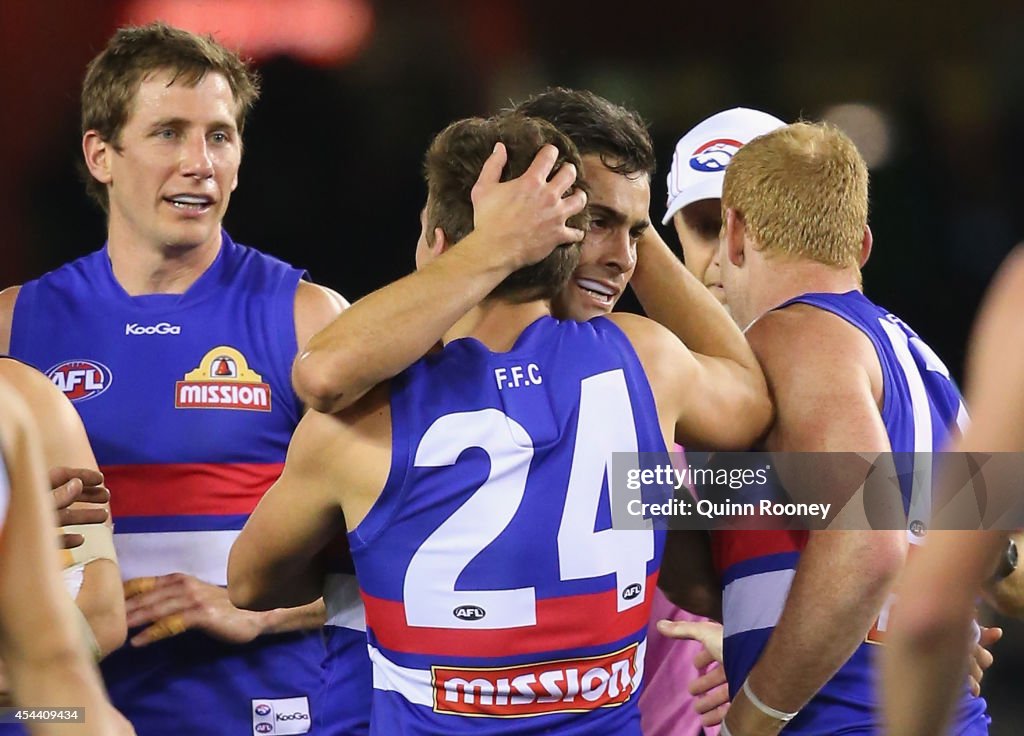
(731, 547)
(188, 488)
(558, 627)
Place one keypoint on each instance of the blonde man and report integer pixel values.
(802, 609)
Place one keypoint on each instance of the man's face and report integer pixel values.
(698, 225)
(619, 207)
(176, 163)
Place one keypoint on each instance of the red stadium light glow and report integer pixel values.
(321, 32)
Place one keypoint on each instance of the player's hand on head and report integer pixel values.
(528, 214)
(78, 485)
(168, 605)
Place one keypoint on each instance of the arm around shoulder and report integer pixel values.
(718, 403)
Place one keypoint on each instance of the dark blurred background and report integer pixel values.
(933, 93)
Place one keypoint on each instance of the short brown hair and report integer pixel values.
(598, 126)
(134, 53)
(802, 190)
(451, 168)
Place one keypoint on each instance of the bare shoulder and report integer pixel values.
(825, 378)
(348, 454)
(333, 439)
(8, 297)
(803, 342)
(647, 336)
(15, 421)
(34, 387)
(315, 307)
(62, 434)
(661, 353)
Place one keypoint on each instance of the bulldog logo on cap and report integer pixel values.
(714, 155)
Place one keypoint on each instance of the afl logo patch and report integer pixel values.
(81, 379)
(714, 155)
(469, 613)
(631, 591)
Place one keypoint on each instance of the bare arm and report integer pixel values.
(729, 378)
(65, 443)
(276, 559)
(40, 641)
(315, 307)
(930, 632)
(273, 563)
(516, 223)
(708, 403)
(7, 299)
(819, 371)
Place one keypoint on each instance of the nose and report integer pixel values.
(716, 254)
(195, 158)
(620, 251)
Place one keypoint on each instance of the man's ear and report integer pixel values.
(440, 244)
(865, 245)
(98, 153)
(735, 236)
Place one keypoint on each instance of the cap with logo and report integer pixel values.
(698, 165)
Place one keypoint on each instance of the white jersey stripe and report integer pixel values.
(201, 554)
(344, 605)
(755, 601)
(921, 486)
(414, 685)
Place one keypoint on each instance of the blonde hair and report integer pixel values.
(802, 190)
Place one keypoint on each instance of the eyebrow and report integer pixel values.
(182, 123)
(617, 217)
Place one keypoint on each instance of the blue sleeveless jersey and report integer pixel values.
(188, 404)
(498, 599)
(921, 407)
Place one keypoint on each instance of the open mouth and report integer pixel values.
(599, 292)
(190, 203)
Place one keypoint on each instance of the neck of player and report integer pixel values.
(497, 323)
(146, 268)
(782, 281)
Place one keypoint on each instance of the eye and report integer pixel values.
(220, 137)
(165, 134)
(598, 223)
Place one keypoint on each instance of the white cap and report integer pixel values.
(698, 165)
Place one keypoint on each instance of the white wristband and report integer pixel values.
(778, 715)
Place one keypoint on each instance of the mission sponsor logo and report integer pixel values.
(560, 686)
(81, 379)
(223, 380)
